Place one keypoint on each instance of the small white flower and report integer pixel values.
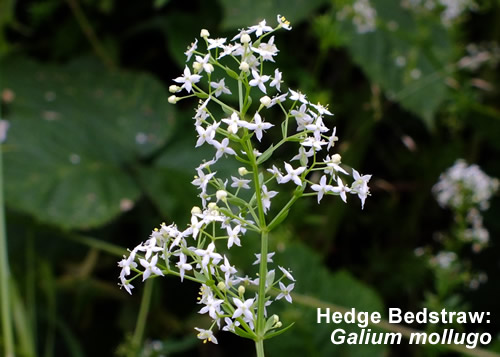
(188, 79)
(206, 135)
(322, 188)
(191, 49)
(205, 64)
(240, 183)
(222, 148)
(182, 265)
(332, 139)
(230, 324)
(276, 82)
(297, 95)
(202, 180)
(233, 236)
(258, 81)
(267, 50)
(243, 308)
(283, 22)
(258, 126)
(233, 123)
(360, 186)
(208, 254)
(206, 335)
(212, 306)
(150, 267)
(228, 270)
(260, 28)
(218, 42)
(266, 198)
(285, 292)
(292, 174)
(341, 189)
(286, 273)
(220, 87)
(269, 258)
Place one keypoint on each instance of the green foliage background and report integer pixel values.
(96, 157)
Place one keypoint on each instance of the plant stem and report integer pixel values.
(259, 347)
(261, 323)
(141, 319)
(8, 336)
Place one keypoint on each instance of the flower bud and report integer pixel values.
(276, 318)
(174, 89)
(244, 66)
(278, 324)
(204, 33)
(212, 206)
(221, 195)
(197, 66)
(265, 101)
(210, 68)
(242, 171)
(221, 286)
(336, 159)
(245, 38)
(195, 210)
(173, 99)
(241, 290)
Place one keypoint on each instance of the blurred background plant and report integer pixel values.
(94, 157)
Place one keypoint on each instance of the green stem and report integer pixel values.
(141, 318)
(261, 323)
(8, 336)
(259, 346)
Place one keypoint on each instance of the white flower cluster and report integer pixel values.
(362, 13)
(465, 185)
(226, 212)
(467, 189)
(450, 10)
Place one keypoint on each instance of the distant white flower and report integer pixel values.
(207, 255)
(222, 148)
(191, 49)
(287, 273)
(214, 43)
(240, 183)
(232, 122)
(341, 189)
(266, 197)
(233, 236)
(182, 265)
(269, 258)
(297, 95)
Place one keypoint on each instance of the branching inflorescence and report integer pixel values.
(231, 208)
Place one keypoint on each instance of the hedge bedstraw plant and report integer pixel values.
(227, 212)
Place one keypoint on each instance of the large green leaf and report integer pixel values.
(307, 338)
(406, 55)
(75, 132)
(244, 13)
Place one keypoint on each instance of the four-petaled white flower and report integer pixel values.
(260, 28)
(341, 189)
(228, 270)
(258, 80)
(151, 267)
(188, 79)
(220, 87)
(285, 292)
(292, 174)
(233, 123)
(183, 266)
(266, 198)
(207, 255)
(233, 236)
(223, 148)
(269, 258)
(206, 335)
(258, 126)
(287, 273)
(214, 43)
(322, 188)
(276, 82)
(191, 50)
(243, 308)
(240, 183)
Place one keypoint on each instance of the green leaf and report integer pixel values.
(75, 132)
(244, 13)
(308, 338)
(277, 333)
(406, 55)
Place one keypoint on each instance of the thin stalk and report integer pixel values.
(141, 318)
(8, 336)
(261, 323)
